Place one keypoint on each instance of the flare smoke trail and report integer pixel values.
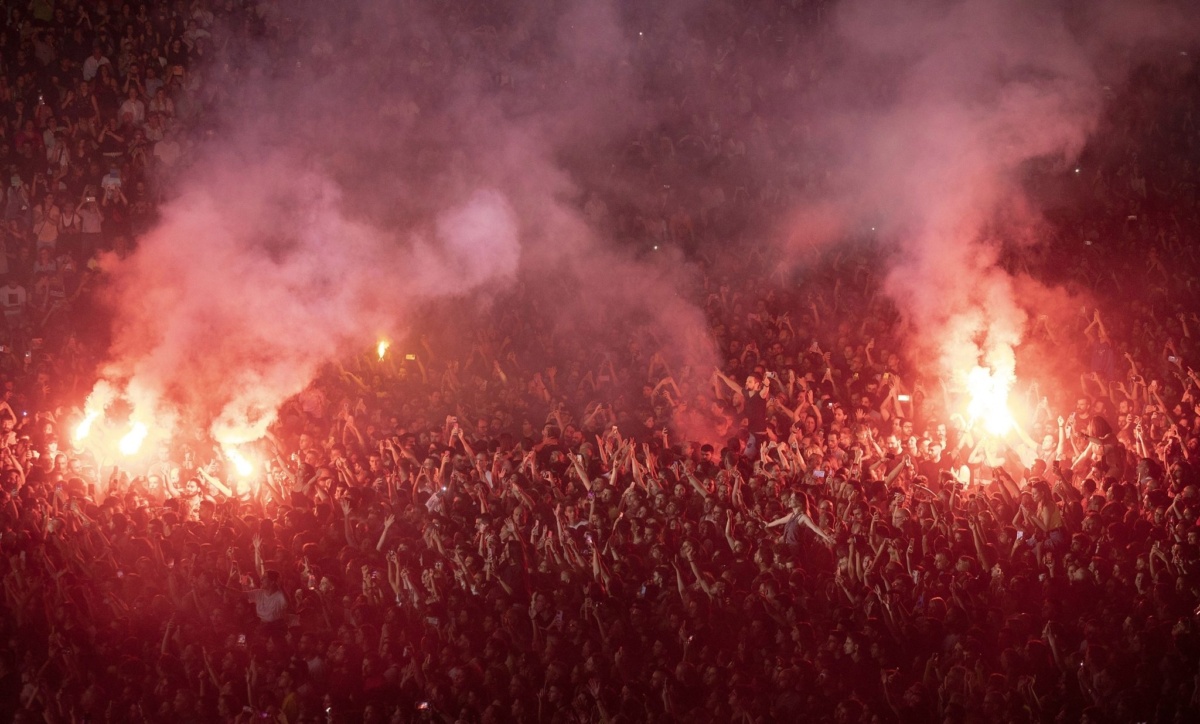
(374, 158)
(256, 278)
(932, 113)
(378, 167)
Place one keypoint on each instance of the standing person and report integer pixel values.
(270, 604)
(1046, 520)
(70, 225)
(115, 207)
(13, 298)
(10, 239)
(91, 225)
(756, 393)
(798, 519)
(91, 65)
(46, 223)
(17, 202)
(754, 406)
(132, 111)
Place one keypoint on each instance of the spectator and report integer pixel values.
(91, 225)
(93, 63)
(270, 603)
(14, 298)
(815, 548)
(132, 111)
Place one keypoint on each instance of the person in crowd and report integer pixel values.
(476, 536)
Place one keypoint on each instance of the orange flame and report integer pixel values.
(241, 464)
(132, 442)
(989, 399)
(85, 426)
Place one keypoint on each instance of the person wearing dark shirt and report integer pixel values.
(756, 393)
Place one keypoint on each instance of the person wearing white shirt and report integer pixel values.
(13, 298)
(92, 64)
(270, 603)
(133, 110)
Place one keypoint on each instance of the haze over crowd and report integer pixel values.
(395, 155)
(599, 361)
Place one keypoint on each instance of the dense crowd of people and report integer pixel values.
(450, 535)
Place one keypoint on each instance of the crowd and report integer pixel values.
(470, 536)
(99, 111)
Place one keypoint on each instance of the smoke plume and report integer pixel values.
(372, 160)
(932, 114)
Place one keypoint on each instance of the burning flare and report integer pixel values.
(240, 463)
(989, 399)
(93, 408)
(132, 442)
(85, 427)
(382, 348)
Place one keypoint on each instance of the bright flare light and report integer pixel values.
(243, 466)
(85, 426)
(93, 408)
(132, 442)
(382, 348)
(989, 400)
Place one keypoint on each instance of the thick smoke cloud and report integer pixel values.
(256, 277)
(984, 88)
(375, 158)
(371, 160)
(932, 114)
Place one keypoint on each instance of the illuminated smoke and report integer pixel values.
(348, 190)
(101, 397)
(241, 464)
(393, 158)
(986, 87)
(932, 114)
(131, 443)
(255, 279)
(988, 393)
(85, 426)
